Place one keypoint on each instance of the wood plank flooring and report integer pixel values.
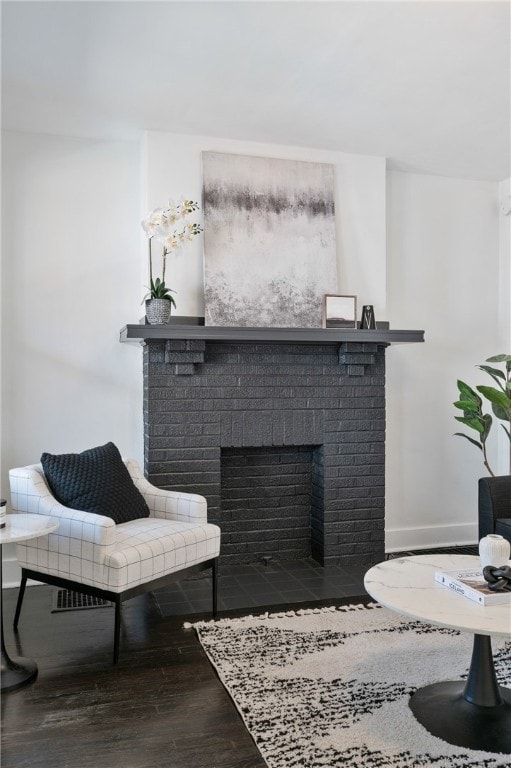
(162, 706)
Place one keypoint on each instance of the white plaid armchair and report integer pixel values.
(90, 554)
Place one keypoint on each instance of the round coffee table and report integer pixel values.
(19, 671)
(475, 713)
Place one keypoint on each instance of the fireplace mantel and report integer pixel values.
(142, 333)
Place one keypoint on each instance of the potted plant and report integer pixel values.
(161, 224)
(498, 397)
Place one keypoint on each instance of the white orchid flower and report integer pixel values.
(169, 216)
(152, 222)
(170, 242)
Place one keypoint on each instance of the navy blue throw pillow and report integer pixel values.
(96, 480)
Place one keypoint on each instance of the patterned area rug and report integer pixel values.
(329, 687)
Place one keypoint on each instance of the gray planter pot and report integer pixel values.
(157, 311)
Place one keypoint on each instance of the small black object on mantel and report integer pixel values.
(3, 512)
(368, 322)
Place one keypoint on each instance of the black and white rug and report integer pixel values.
(329, 687)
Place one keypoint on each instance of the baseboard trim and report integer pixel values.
(11, 574)
(428, 537)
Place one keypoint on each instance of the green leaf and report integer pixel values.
(492, 371)
(467, 393)
(496, 375)
(500, 412)
(465, 405)
(495, 396)
(488, 421)
(476, 424)
(499, 359)
(474, 442)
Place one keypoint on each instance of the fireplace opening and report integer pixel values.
(271, 504)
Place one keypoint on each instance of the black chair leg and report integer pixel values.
(21, 594)
(117, 627)
(214, 579)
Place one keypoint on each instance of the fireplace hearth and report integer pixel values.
(284, 434)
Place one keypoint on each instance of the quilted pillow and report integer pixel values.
(96, 480)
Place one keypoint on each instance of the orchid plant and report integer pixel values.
(163, 225)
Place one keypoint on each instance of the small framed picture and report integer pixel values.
(340, 312)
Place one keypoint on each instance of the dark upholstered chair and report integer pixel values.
(495, 506)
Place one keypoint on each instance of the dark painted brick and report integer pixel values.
(354, 347)
(185, 345)
(354, 370)
(184, 357)
(354, 358)
(268, 396)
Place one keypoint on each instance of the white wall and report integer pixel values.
(74, 269)
(504, 462)
(438, 270)
(443, 276)
(174, 169)
(70, 280)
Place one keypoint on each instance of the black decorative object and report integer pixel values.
(368, 322)
(499, 579)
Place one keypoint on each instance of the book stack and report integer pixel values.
(472, 584)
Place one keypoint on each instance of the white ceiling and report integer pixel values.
(426, 84)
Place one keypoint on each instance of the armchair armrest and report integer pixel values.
(494, 502)
(30, 494)
(77, 549)
(172, 505)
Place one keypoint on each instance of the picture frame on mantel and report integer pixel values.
(339, 311)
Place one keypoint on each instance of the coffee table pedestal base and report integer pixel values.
(444, 712)
(16, 672)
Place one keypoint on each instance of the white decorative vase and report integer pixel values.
(494, 550)
(157, 311)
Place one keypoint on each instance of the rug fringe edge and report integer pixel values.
(282, 614)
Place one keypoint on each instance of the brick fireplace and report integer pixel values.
(282, 430)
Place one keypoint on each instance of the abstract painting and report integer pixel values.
(269, 241)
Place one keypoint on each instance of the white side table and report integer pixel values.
(475, 713)
(20, 671)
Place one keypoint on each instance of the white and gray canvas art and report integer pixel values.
(269, 241)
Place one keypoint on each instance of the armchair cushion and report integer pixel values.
(96, 480)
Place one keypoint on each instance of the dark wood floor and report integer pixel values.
(162, 706)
